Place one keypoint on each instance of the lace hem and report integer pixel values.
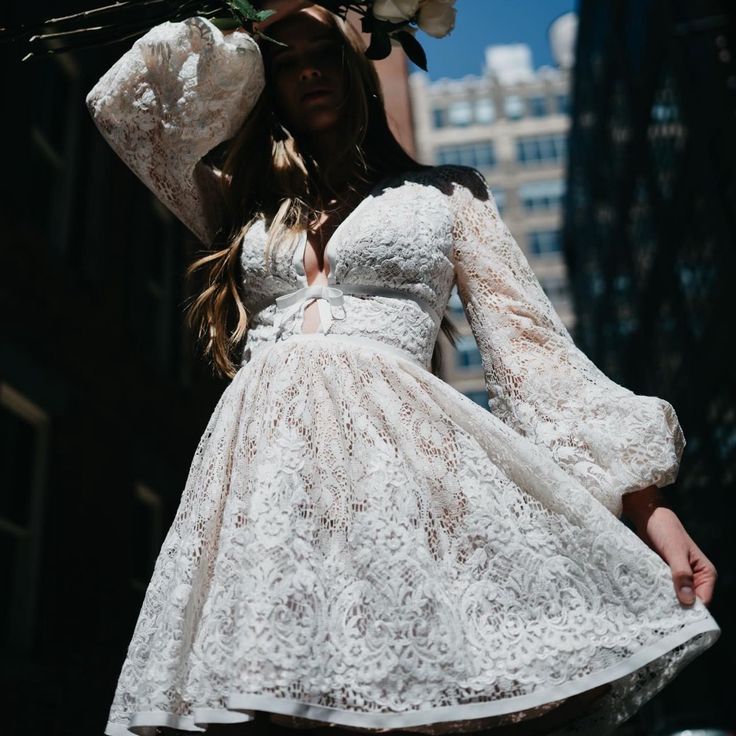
(239, 707)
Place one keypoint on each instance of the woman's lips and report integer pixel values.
(316, 95)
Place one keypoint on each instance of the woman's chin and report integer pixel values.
(320, 126)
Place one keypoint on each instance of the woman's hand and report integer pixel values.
(693, 574)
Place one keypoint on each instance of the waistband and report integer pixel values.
(328, 297)
(366, 342)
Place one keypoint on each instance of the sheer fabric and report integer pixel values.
(357, 542)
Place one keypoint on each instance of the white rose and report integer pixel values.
(437, 17)
(395, 10)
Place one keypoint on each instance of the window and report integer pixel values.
(542, 196)
(555, 287)
(24, 449)
(541, 149)
(54, 133)
(478, 155)
(438, 117)
(460, 113)
(485, 111)
(542, 242)
(468, 355)
(514, 107)
(563, 104)
(500, 196)
(538, 106)
(480, 397)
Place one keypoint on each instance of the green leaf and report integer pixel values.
(245, 9)
(226, 24)
(263, 14)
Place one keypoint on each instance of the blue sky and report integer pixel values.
(484, 22)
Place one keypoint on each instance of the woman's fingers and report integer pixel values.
(704, 575)
(682, 574)
(693, 574)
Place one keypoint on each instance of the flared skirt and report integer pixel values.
(360, 544)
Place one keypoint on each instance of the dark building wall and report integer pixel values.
(650, 240)
(102, 397)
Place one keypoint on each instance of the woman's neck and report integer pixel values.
(327, 148)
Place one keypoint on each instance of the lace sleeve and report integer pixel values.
(181, 89)
(539, 382)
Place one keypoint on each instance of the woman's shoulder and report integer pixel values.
(448, 177)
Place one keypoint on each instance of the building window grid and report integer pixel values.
(480, 154)
(535, 150)
(544, 242)
(485, 111)
(537, 106)
(562, 101)
(481, 110)
(463, 113)
(460, 113)
(501, 199)
(542, 196)
(438, 117)
(513, 107)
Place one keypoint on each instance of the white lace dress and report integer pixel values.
(357, 542)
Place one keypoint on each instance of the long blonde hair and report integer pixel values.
(267, 173)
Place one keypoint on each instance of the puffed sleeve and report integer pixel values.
(181, 89)
(539, 382)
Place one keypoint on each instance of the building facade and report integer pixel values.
(102, 396)
(511, 123)
(650, 234)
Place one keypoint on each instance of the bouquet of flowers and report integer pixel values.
(389, 22)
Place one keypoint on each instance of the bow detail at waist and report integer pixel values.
(329, 297)
(295, 302)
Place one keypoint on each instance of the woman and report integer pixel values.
(358, 544)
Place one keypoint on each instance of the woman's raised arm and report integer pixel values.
(182, 89)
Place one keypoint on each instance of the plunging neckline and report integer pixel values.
(328, 253)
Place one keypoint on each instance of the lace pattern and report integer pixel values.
(391, 555)
(182, 89)
(538, 381)
(357, 542)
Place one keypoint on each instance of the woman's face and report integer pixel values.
(306, 77)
